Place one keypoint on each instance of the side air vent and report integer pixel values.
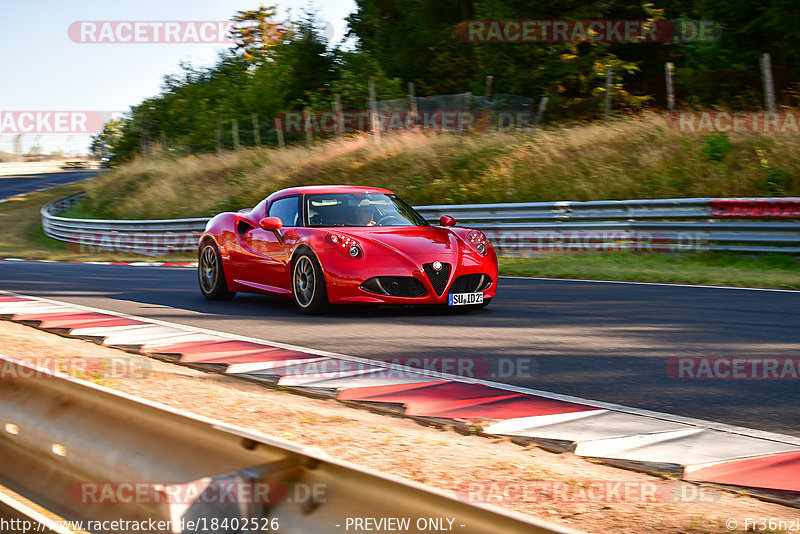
(395, 286)
(242, 227)
(438, 278)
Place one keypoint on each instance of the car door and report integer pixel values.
(267, 251)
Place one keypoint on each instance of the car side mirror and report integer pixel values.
(446, 220)
(271, 223)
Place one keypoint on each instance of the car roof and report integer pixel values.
(322, 189)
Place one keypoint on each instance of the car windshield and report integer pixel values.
(360, 209)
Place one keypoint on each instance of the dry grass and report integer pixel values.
(636, 157)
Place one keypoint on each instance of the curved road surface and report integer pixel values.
(604, 341)
(11, 186)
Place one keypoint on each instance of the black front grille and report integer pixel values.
(395, 286)
(438, 278)
(470, 283)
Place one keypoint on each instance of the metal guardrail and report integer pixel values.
(516, 229)
(70, 445)
(147, 237)
(677, 208)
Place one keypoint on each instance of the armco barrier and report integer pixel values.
(63, 434)
(755, 208)
(516, 229)
(146, 237)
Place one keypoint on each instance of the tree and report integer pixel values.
(106, 141)
(255, 33)
(414, 40)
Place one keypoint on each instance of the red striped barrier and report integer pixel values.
(9, 298)
(460, 401)
(756, 208)
(383, 393)
(426, 391)
(75, 320)
(503, 407)
(263, 355)
(777, 472)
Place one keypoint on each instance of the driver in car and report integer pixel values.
(364, 214)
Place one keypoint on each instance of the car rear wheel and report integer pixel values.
(308, 285)
(211, 275)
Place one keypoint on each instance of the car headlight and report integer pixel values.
(345, 244)
(478, 241)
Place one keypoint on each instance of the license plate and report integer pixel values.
(465, 299)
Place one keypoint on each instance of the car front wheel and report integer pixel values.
(308, 285)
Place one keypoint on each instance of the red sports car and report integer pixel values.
(323, 245)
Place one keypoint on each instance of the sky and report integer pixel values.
(44, 70)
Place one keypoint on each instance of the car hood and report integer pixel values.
(408, 241)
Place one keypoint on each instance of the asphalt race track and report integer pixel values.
(18, 184)
(603, 341)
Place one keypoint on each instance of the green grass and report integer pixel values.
(79, 211)
(709, 268)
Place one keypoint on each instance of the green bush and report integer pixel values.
(717, 146)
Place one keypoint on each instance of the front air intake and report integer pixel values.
(395, 286)
(470, 283)
(438, 278)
